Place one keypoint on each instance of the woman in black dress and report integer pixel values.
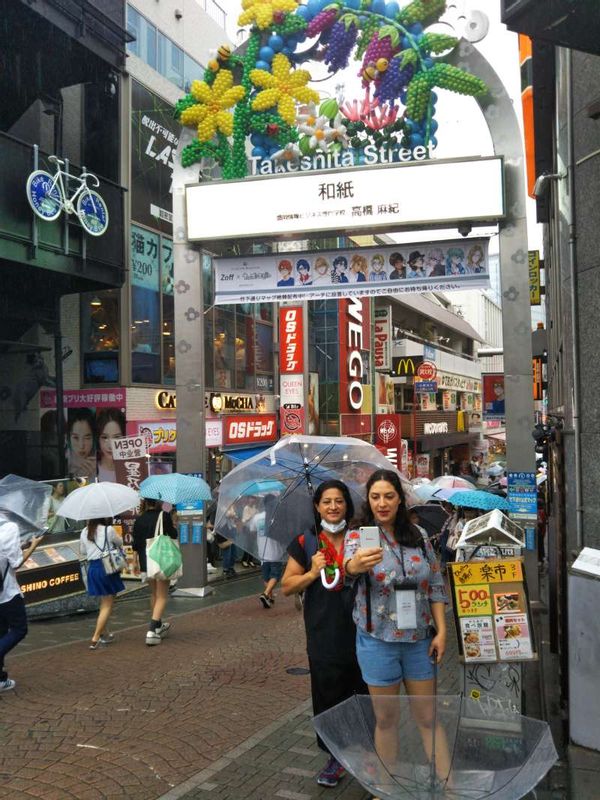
(330, 632)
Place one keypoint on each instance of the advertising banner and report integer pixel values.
(291, 400)
(291, 421)
(130, 456)
(385, 394)
(249, 429)
(145, 259)
(160, 435)
(154, 140)
(382, 345)
(449, 401)
(354, 325)
(522, 494)
(492, 610)
(535, 281)
(291, 333)
(388, 437)
(367, 198)
(370, 271)
(423, 465)
(313, 404)
(493, 396)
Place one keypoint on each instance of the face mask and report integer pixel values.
(333, 527)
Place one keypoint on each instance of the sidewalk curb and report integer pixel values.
(207, 773)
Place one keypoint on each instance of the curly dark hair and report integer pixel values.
(334, 484)
(405, 533)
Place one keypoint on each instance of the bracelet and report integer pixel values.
(346, 570)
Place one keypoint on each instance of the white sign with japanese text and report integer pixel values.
(383, 197)
(358, 272)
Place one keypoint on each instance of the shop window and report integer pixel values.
(192, 71)
(170, 60)
(100, 338)
(145, 306)
(223, 341)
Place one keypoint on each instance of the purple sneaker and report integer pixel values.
(331, 774)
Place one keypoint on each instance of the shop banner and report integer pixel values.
(461, 383)
(492, 610)
(291, 399)
(213, 432)
(383, 339)
(130, 456)
(83, 398)
(388, 437)
(371, 271)
(291, 421)
(404, 456)
(385, 394)
(522, 494)
(449, 401)
(354, 327)
(535, 281)
(145, 259)
(249, 429)
(160, 435)
(423, 465)
(313, 404)
(291, 335)
(493, 396)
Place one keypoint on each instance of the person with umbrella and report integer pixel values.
(145, 527)
(97, 537)
(13, 618)
(399, 613)
(330, 631)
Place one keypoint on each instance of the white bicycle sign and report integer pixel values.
(47, 197)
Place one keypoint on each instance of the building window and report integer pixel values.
(160, 52)
(168, 311)
(100, 339)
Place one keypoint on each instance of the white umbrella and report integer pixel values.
(99, 500)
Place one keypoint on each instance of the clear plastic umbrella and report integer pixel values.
(26, 503)
(453, 482)
(438, 748)
(281, 482)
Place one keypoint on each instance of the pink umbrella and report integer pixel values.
(452, 482)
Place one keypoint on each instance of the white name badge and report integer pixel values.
(406, 609)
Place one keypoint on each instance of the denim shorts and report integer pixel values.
(271, 569)
(387, 663)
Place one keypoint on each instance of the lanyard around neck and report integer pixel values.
(400, 559)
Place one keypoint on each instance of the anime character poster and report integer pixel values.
(493, 396)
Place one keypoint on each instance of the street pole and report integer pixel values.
(189, 378)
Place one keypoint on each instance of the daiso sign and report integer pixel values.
(354, 336)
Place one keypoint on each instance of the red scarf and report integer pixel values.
(333, 560)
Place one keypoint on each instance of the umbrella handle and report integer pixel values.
(334, 582)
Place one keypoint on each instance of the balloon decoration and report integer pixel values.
(263, 93)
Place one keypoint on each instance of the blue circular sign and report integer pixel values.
(43, 195)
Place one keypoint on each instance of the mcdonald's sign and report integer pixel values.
(405, 366)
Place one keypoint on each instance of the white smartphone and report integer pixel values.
(369, 536)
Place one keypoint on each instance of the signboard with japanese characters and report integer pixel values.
(291, 353)
(368, 271)
(130, 456)
(364, 198)
(535, 283)
(249, 429)
(145, 258)
(291, 401)
(492, 612)
(160, 435)
(154, 140)
(388, 437)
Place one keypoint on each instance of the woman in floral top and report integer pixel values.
(389, 651)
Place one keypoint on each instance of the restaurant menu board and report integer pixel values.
(492, 611)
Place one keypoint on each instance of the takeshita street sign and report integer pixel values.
(359, 199)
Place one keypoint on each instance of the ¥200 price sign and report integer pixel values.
(473, 600)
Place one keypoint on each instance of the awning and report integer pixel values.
(241, 454)
(500, 436)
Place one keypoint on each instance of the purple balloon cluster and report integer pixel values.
(341, 41)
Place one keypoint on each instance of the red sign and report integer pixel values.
(249, 429)
(291, 336)
(292, 421)
(354, 323)
(427, 371)
(388, 437)
(85, 398)
(160, 435)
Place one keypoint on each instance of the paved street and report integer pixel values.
(210, 713)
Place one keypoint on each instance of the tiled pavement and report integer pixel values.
(211, 714)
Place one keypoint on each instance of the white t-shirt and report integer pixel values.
(11, 554)
(96, 549)
(268, 549)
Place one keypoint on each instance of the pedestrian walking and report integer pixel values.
(13, 617)
(146, 526)
(96, 539)
(399, 613)
(271, 552)
(330, 631)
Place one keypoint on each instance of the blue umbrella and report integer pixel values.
(260, 487)
(485, 501)
(175, 489)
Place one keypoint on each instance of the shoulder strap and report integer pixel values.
(105, 545)
(310, 543)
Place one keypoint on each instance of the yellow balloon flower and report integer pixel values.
(210, 112)
(282, 88)
(263, 11)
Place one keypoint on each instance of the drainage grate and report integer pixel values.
(297, 671)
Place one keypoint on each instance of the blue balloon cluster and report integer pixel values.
(416, 131)
(263, 146)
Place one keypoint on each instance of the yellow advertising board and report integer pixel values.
(491, 611)
(535, 280)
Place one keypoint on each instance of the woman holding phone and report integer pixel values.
(399, 613)
(330, 632)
